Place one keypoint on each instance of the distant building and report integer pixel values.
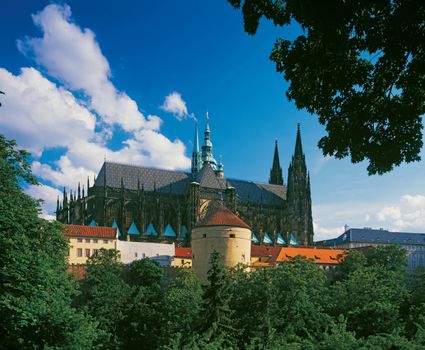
(266, 256)
(182, 258)
(85, 241)
(158, 204)
(160, 252)
(413, 243)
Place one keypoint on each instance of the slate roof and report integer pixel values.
(89, 231)
(151, 178)
(368, 235)
(207, 178)
(177, 182)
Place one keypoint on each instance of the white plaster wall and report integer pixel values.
(160, 252)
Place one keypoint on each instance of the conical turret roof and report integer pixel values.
(219, 215)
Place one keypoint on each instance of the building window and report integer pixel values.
(79, 240)
(182, 262)
(95, 252)
(105, 241)
(204, 235)
(87, 253)
(87, 240)
(232, 235)
(135, 254)
(144, 255)
(79, 252)
(95, 241)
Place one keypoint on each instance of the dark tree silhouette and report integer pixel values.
(358, 65)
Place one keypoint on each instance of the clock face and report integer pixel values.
(204, 208)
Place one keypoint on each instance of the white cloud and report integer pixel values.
(322, 233)
(40, 114)
(405, 214)
(414, 201)
(49, 196)
(73, 56)
(174, 103)
(389, 213)
(67, 174)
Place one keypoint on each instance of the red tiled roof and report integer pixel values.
(221, 216)
(89, 231)
(319, 255)
(265, 251)
(183, 253)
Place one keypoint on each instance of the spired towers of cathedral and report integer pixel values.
(151, 204)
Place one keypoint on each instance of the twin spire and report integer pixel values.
(276, 177)
(200, 158)
(205, 156)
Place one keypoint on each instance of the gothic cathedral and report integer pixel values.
(152, 204)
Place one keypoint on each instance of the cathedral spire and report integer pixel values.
(207, 149)
(196, 155)
(276, 177)
(298, 146)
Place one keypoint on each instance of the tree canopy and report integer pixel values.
(358, 65)
(368, 301)
(36, 294)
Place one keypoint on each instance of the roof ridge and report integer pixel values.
(146, 167)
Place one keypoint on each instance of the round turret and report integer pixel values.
(222, 231)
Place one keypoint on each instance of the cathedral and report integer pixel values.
(156, 204)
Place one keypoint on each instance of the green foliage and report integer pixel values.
(352, 262)
(366, 303)
(417, 286)
(360, 67)
(391, 257)
(144, 308)
(217, 323)
(182, 306)
(105, 295)
(370, 300)
(35, 293)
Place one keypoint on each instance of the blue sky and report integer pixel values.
(85, 80)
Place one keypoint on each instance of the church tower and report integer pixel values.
(207, 149)
(276, 177)
(196, 155)
(300, 219)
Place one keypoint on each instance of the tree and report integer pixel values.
(391, 257)
(217, 322)
(105, 296)
(35, 293)
(182, 306)
(358, 65)
(300, 296)
(370, 299)
(145, 305)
